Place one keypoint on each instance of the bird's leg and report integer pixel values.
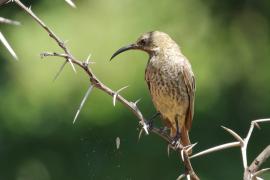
(164, 129)
(176, 139)
(155, 115)
(151, 120)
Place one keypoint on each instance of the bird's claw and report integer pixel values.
(176, 143)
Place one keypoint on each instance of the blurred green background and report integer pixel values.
(227, 42)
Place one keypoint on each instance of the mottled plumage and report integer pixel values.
(170, 81)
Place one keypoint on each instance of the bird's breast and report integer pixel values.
(167, 88)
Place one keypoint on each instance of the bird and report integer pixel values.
(170, 80)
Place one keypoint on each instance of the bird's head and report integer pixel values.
(150, 42)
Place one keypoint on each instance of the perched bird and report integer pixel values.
(170, 81)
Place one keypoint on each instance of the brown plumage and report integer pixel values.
(170, 81)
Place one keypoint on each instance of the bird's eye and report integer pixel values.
(142, 42)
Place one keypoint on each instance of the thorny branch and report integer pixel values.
(132, 106)
(251, 172)
(255, 165)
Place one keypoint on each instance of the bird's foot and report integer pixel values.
(149, 124)
(176, 142)
(164, 130)
(155, 116)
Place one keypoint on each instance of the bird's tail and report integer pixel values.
(185, 138)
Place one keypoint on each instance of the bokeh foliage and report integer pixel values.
(227, 43)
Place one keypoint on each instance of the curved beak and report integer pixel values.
(123, 49)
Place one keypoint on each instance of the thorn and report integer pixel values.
(83, 101)
(168, 149)
(260, 172)
(257, 125)
(60, 70)
(182, 155)
(87, 61)
(136, 102)
(6, 44)
(140, 134)
(234, 134)
(189, 147)
(30, 8)
(145, 127)
(117, 142)
(71, 3)
(5, 2)
(9, 21)
(181, 176)
(217, 148)
(262, 120)
(72, 65)
(116, 94)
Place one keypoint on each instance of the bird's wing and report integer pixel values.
(146, 78)
(189, 81)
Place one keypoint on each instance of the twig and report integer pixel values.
(216, 148)
(260, 159)
(190, 173)
(60, 43)
(251, 171)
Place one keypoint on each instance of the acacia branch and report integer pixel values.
(60, 43)
(253, 170)
(132, 106)
(260, 159)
